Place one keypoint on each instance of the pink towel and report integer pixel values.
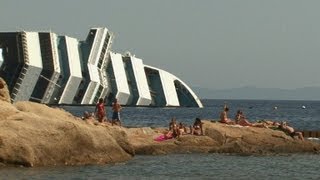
(162, 137)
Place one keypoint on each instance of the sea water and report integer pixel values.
(198, 166)
(292, 112)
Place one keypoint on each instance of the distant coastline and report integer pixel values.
(254, 93)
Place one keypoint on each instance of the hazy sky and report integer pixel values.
(206, 43)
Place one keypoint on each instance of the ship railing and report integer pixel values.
(50, 88)
(105, 50)
(25, 47)
(17, 85)
(103, 78)
(95, 48)
(52, 84)
(109, 45)
(35, 99)
(55, 55)
(152, 92)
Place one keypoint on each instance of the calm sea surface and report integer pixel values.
(198, 166)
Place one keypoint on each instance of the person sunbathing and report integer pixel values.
(173, 131)
(238, 116)
(270, 124)
(242, 121)
(181, 129)
(196, 129)
(173, 127)
(224, 116)
(165, 136)
(290, 131)
(88, 117)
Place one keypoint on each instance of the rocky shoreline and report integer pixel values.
(33, 134)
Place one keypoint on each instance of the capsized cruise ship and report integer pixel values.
(56, 69)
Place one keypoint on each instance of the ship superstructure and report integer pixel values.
(119, 80)
(53, 69)
(22, 63)
(137, 80)
(94, 61)
(72, 75)
(50, 74)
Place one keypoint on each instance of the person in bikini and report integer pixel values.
(181, 129)
(242, 121)
(238, 116)
(173, 127)
(196, 129)
(224, 116)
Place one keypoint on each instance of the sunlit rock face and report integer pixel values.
(4, 92)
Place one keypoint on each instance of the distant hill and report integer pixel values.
(306, 93)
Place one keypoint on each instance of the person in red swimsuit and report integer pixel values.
(100, 111)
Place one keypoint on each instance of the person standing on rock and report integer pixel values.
(116, 108)
(100, 111)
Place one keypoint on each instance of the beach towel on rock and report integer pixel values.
(162, 137)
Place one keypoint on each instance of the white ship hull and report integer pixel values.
(52, 69)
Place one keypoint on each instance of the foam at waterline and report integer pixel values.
(313, 139)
